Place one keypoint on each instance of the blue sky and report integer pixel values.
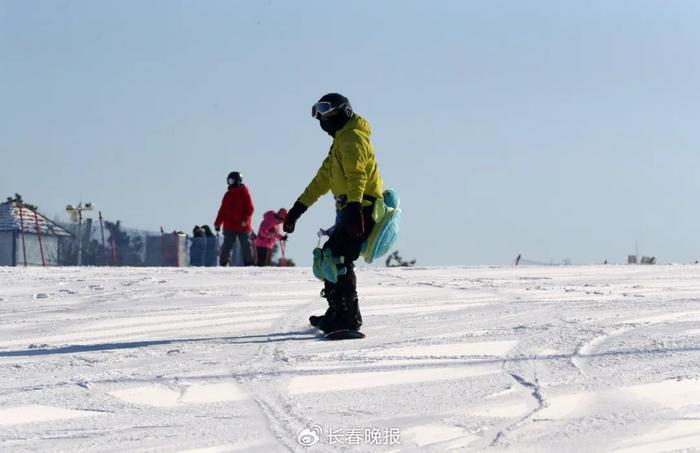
(552, 129)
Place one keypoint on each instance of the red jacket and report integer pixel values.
(236, 211)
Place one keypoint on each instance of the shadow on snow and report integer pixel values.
(244, 339)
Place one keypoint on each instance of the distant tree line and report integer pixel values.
(120, 247)
(18, 199)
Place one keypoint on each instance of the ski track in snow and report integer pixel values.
(589, 358)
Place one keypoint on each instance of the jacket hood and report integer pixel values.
(269, 216)
(356, 123)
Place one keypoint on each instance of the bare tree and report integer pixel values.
(18, 199)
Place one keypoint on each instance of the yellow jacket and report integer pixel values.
(349, 169)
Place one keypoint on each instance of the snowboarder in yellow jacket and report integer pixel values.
(351, 173)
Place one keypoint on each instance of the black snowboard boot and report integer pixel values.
(329, 293)
(346, 314)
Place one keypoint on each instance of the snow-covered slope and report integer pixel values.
(474, 359)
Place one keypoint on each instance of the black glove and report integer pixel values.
(352, 219)
(292, 216)
(217, 228)
(284, 237)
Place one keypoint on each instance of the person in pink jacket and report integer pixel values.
(268, 234)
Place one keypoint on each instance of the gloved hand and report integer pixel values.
(352, 220)
(284, 237)
(292, 216)
(217, 228)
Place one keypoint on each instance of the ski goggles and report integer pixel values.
(324, 109)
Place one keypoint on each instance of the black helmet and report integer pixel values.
(234, 179)
(332, 111)
(330, 105)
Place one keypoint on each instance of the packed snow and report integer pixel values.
(573, 358)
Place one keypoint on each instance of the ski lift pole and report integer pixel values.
(41, 245)
(176, 245)
(162, 244)
(102, 231)
(114, 246)
(21, 229)
(283, 247)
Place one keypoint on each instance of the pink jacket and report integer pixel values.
(269, 231)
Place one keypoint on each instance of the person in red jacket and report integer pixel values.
(235, 215)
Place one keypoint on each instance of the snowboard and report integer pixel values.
(344, 335)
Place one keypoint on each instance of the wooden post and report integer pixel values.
(21, 229)
(41, 245)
